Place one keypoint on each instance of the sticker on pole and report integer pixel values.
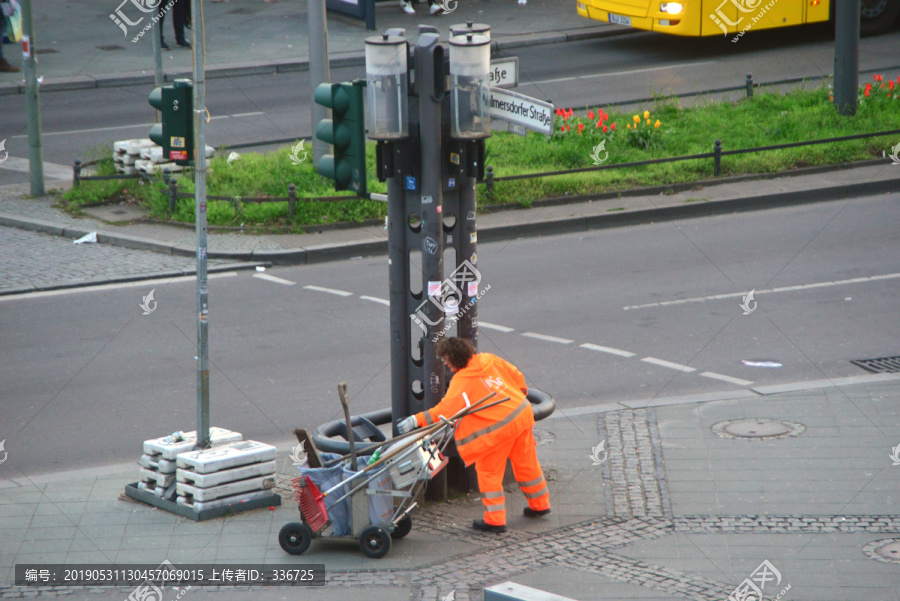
(434, 288)
(410, 182)
(178, 155)
(522, 110)
(176, 142)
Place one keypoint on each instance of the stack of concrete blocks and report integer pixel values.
(127, 152)
(144, 156)
(158, 463)
(226, 475)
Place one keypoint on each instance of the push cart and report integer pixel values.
(409, 461)
(400, 473)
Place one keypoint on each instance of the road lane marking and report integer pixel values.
(669, 364)
(598, 75)
(715, 376)
(87, 131)
(138, 284)
(547, 338)
(329, 290)
(700, 299)
(606, 349)
(253, 114)
(272, 278)
(376, 300)
(493, 326)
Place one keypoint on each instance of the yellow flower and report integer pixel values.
(648, 121)
(657, 124)
(646, 114)
(629, 126)
(637, 119)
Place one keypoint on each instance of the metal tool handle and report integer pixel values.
(342, 392)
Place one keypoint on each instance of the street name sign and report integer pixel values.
(523, 110)
(505, 72)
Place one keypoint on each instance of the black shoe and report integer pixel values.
(163, 45)
(184, 43)
(481, 525)
(531, 513)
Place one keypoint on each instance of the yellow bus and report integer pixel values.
(722, 17)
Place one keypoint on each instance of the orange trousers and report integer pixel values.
(522, 454)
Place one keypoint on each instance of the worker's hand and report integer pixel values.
(407, 424)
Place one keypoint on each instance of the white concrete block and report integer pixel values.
(157, 463)
(225, 490)
(241, 498)
(163, 480)
(225, 476)
(169, 450)
(226, 456)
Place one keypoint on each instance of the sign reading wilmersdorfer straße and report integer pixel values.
(522, 110)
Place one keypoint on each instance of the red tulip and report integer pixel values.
(591, 115)
(613, 126)
(866, 93)
(890, 84)
(605, 129)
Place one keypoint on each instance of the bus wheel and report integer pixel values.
(877, 15)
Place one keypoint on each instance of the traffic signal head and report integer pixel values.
(175, 132)
(346, 131)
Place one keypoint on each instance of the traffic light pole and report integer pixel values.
(318, 67)
(201, 224)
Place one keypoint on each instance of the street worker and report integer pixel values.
(488, 437)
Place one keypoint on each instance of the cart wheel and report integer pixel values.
(403, 527)
(294, 538)
(375, 542)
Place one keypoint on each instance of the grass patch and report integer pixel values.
(664, 130)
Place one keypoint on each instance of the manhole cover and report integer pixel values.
(542, 437)
(757, 428)
(882, 365)
(886, 550)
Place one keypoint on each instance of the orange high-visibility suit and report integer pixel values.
(487, 438)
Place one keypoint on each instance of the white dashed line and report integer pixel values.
(729, 379)
(606, 349)
(138, 284)
(493, 326)
(700, 299)
(668, 364)
(376, 300)
(548, 338)
(272, 278)
(329, 290)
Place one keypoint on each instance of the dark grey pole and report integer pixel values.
(430, 84)
(32, 102)
(467, 327)
(398, 273)
(200, 217)
(846, 56)
(318, 69)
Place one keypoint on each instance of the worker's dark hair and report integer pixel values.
(458, 351)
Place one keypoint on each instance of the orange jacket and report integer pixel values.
(480, 432)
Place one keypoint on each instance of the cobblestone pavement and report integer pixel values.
(34, 260)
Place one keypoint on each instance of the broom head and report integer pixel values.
(312, 505)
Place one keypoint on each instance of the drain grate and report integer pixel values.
(882, 365)
(111, 47)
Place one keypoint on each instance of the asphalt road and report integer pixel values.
(593, 72)
(86, 376)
